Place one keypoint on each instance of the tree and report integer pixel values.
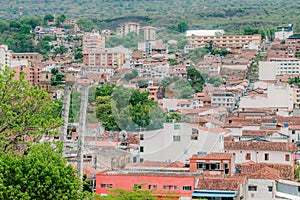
(181, 43)
(49, 18)
(40, 174)
(105, 90)
(142, 83)
(26, 113)
(182, 27)
(61, 19)
(86, 24)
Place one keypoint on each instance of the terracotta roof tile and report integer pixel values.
(213, 156)
(220, 184)
(270, 146)
(285, 171)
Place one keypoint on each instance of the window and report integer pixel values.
(141, 149)
(152, 187)
(170, 187)
(266, 156)
(141, 136)
(137, 186)
(200, 165)
(252, 188)
(248, 156)
(102, 185)
(293, 131)
(186, 187)
(287, 157)
(176, 138)
(176, 126)
(270, 188)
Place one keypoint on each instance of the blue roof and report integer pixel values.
(214, 193)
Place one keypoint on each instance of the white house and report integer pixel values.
(262, 152)
(179, 141)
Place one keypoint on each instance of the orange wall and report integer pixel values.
(127, 182)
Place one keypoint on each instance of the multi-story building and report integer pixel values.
(179, 141)
(93, 42)
(148, 33)
(102, 60)
(284, 32)
(5, 56)
(226, 41)
(268, 70)
(32, 72)
(128, 27)
(32, 57)
(227, 99)
(213, 164)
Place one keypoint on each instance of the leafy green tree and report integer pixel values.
(195, 79)
(181, 43)
(142, 83)
(60, 19)
(32, 21)
(182, 27)
(173, 61)
(49, 18)
(26, 112)
(105, 90)
(134, 73)
(86, 24)
(3, 26)
(167, 81)
(40, 174)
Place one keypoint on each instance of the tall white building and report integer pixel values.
(5, 56)
(268, 70)
(93, 42)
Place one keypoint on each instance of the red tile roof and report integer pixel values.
(255, 133)
(285, 171)
(266, 173)
(269, 146)
(220, 184)
(213, 156)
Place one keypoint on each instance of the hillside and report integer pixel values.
(231, 15)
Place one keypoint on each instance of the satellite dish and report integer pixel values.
(123, 135)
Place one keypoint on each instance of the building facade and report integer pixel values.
(93, 42)
(225, 41)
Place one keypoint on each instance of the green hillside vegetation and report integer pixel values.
(231, 15)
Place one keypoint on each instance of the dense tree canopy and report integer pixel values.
(26, 112)
(41, 174)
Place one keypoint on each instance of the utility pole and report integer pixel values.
(71, 79)
(82, 129)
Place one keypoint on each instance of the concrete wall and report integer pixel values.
(262, 189)
(259, 156)
(158, 145)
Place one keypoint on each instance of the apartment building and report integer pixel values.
(5, 56)
(128, 27)
(93, 42)
(226, 99)
(268, 70)
(283, 32)
(101, 60)
(148, 33)
(226, 41)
